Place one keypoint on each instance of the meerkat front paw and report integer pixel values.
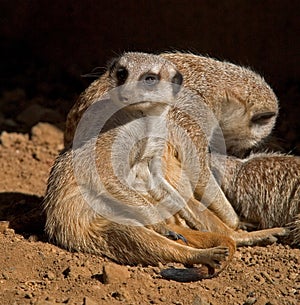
(176, 236)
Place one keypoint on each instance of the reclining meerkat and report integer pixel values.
(243, 103)
(264, 189)
(241, 100)
(95, 204)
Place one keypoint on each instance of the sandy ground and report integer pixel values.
(33, 271)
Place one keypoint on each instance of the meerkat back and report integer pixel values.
(264, 189)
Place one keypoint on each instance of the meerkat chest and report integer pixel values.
(137, 151)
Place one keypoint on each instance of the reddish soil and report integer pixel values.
(33, 271)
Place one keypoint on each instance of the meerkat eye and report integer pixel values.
(262, 118)
(121, 74)
(150, 79)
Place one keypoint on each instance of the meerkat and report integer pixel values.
(264, 189)
(243, 103)
(91, 208)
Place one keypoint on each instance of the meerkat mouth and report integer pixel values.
(148, 104)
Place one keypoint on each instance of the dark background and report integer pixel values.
(47, 45)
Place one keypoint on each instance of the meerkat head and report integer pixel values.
(248, 116)
(143, 80)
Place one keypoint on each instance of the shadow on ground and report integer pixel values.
(24, 213)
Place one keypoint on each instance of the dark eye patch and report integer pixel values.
(121, 75)
(177, 81)
(262, 118)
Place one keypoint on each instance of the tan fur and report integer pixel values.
(73, 224)
(265, 190)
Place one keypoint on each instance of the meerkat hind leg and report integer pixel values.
(134, 245)
(260, 237)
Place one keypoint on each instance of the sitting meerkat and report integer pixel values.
(264, 189)
(77, 198)
(94, 203)
(243, 103)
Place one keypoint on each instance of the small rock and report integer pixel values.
(9, 232)
(121, 295)
(50, 275)
(5, 276)
(113, 273)
(88, 301)
(293, 276)
(28, 295)
(250, 301)
(33, 238)
(4, 226)
(9, 139)
(267, 277)
(67, 272)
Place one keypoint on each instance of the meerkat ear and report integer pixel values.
(112, 64)
(232, 101)
(232, 107)
(177, 82)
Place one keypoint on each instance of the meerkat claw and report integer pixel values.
(175, 236)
